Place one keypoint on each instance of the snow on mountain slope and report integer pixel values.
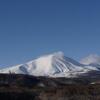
(53, 65)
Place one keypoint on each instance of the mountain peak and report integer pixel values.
(58, 54)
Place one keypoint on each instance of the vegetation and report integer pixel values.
(24, 87)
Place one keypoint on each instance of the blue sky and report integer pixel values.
(30, 28)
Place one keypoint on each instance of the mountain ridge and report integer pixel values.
(52, 65)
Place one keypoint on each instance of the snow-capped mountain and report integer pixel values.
(52, 65)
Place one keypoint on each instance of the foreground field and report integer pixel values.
(23, 87)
